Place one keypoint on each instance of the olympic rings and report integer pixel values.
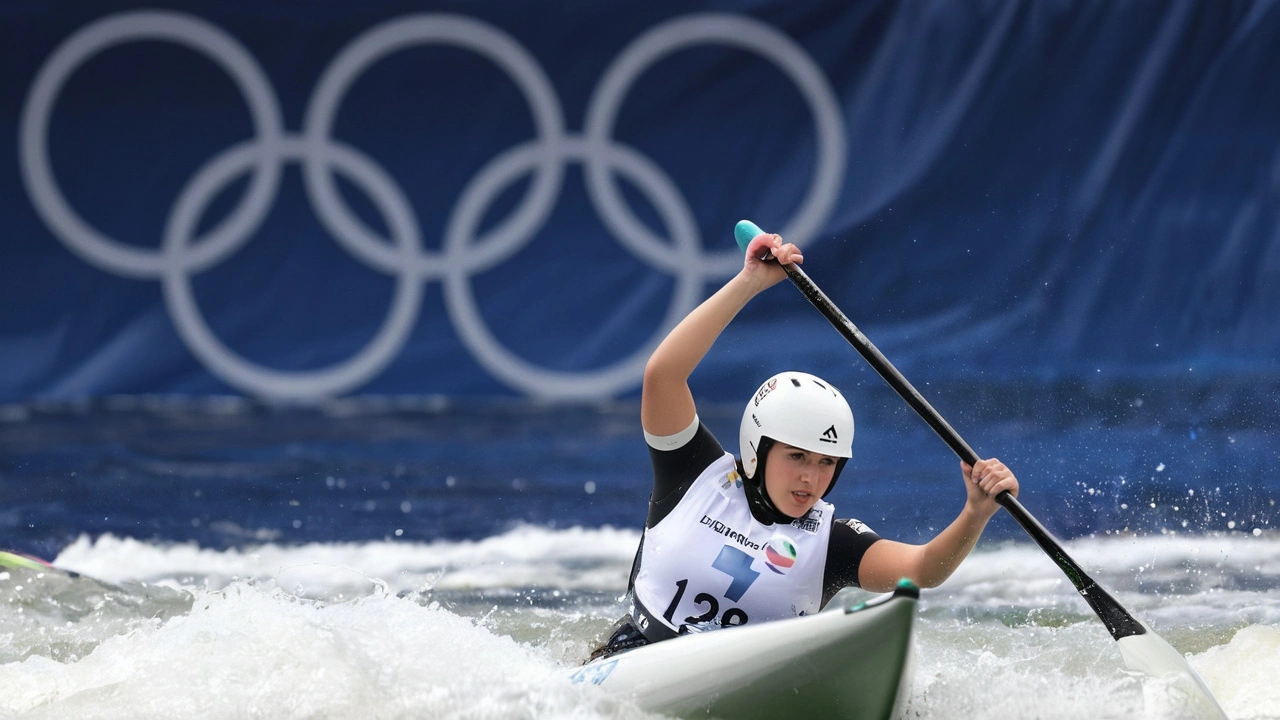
(463, 253)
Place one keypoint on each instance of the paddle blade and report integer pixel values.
(744, 232)
(1150, 654)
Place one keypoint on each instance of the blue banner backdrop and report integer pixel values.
(308, 199)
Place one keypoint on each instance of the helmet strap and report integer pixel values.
(835, 475)
(762, 508)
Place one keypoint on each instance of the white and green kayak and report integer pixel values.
(852, 660)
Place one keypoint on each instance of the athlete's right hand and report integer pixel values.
(769, 272)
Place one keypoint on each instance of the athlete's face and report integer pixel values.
(796, 479)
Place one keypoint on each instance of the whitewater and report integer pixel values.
(427, 561)
(490, 629)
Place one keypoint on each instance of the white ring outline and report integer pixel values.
(406, 259)
(465, 314)
(400, 34)
(745, 34)
(339, 377)
(181, 29)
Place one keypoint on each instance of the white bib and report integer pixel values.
(710, 561)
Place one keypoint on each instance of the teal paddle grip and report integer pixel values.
(743, 232)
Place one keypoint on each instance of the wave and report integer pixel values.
(598, 559)
(484, 628)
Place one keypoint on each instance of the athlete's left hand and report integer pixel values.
(986, 479)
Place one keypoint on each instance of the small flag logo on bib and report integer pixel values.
(779, 555)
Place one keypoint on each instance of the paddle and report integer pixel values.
(1142, 649)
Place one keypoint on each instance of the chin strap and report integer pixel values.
(762, 508)
(835, 476)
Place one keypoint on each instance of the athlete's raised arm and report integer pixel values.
(666, 403)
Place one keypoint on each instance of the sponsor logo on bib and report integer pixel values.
(810, 522)
(779, 555)
(721, 529)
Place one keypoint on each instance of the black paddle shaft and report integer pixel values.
(1118, 620)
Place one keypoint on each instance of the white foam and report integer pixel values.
(246, 651)
(523, 557)
(318, 630)
(1244, 674)
(991, 672)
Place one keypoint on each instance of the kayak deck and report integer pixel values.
(849, 661)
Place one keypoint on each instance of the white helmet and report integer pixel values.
(798, 409)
